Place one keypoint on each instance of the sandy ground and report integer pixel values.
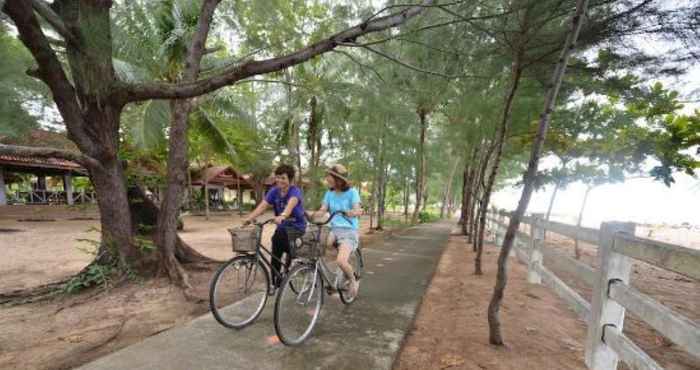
(451, 330)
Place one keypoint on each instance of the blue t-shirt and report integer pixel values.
(279, 203)
(342, 202)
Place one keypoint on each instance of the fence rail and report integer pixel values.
(612, 294)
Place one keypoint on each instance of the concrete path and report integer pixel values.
(365, 335)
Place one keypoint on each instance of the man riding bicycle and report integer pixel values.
(287, 202)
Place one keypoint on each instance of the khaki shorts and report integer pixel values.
(346, 236)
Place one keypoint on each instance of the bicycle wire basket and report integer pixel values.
(244, 239)
(312, 243)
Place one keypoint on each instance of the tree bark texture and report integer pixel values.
(495, 336)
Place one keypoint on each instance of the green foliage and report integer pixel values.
(18, 92)
(427, 216)
(94, 275)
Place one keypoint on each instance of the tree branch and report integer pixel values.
(212, 50)
(43, 152)
(54, 20)
(50, 70)
(139, 92)
(362, 66)
(197, 48)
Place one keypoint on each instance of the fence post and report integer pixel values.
(535, 252)
(605, 311)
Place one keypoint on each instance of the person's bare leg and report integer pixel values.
(344, 251)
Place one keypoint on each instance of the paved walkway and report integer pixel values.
(365, 335)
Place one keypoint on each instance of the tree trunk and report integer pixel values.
(551, 205)
(577, 251)
(464, 201)
(421, 171)
(115, 219)
(478, 200)
(381, 208)
(406, 199)
(500, 141)
(447, 195)
(166, 232)
(495, 336)
(190, 189)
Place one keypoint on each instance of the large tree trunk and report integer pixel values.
(115, 219)
(421, 171)
(577, 251)
(495, 336)
(166, 232)
(170, 204)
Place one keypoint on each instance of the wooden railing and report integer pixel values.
(49, 197)
(606, 344)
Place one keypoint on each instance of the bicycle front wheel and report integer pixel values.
(238, 292)
(298, 304)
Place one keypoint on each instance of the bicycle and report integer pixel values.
(302, 288)
(245, 279)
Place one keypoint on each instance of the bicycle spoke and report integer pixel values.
(238, 292)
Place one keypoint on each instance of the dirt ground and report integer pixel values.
(74, 329)
(451, 330)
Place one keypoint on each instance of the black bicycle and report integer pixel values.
(300, 297)
(245, 279)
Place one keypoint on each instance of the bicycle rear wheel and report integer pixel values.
(238, 292)
(355, 260)
(298, 304)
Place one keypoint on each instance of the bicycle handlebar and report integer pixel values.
(342, 213)
(260, 224)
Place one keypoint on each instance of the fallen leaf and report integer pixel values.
(451, 360)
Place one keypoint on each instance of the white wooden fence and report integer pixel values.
(612, 294)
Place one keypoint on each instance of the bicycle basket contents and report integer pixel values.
(244, 239)
(312, 242)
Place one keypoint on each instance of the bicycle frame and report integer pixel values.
(261, 253)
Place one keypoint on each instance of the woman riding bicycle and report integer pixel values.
(342, 197)
(287, 202)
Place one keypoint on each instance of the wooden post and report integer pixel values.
(605, 312)
(206, 200)
(3, 195)
(239, 196)
(535, 252)
(68, 187)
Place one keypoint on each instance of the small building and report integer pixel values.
(222, 184)
(40, 172)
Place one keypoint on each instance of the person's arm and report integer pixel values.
(356, 210)
(260, 209)
(356, 206)
(324, 207)
(293, 201)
